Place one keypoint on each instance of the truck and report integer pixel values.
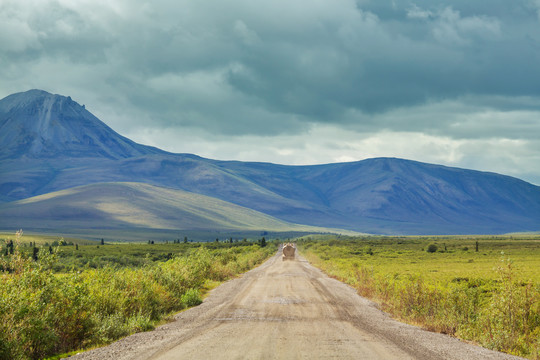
(288, 251)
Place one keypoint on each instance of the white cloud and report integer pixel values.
(16, 34)
(451, 27)
(194, 86)
(415, 12)
(248, 36)
(536, 3)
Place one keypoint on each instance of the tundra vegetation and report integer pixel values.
(481, 289)
(77, 294)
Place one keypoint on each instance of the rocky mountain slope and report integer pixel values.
(37, 124)
(50, 143)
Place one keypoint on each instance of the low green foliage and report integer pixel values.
(44, 312)
(431, 248)
(192, 297)
(491, 296)
(41, 240)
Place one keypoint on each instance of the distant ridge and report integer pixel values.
(50, 143)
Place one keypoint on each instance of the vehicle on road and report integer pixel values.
(288, 251)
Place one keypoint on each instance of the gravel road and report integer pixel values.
(288, 310)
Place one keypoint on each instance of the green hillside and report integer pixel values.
(137, 205)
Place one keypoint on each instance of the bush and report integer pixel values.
(192, 297)
(431, 248)
(43, 313)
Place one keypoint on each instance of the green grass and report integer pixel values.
(58, 303)
(490, 296)
(79, 254)
(41, 240)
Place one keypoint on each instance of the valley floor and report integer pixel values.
(288, 310)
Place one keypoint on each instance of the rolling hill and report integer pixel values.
(137, 205)
(55, 144)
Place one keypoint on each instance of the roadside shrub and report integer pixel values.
(511, 322)
(192, 297)
(110, 327)
(431, 248)
(501, 313)
(43, 313)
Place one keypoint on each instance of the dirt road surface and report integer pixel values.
(288, 310)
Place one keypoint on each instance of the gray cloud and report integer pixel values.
(465, 71)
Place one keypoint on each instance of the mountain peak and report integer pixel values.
(38, 124)
(24, 99)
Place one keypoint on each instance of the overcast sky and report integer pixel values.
(294, 82)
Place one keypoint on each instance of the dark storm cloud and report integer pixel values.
(315, 60)
(360, 62)
(454, 72)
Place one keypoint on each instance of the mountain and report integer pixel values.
(137, 205)
(382, 196)
(36, 124)
(396, 196)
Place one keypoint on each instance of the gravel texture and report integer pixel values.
(288, 310)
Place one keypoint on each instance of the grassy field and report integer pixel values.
(57, 299)
(41, 240)
(143, 235)
(78, 254)
(490, 296)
